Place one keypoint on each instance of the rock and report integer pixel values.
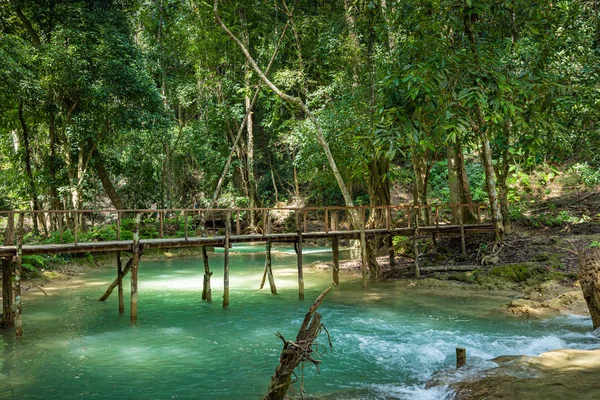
(168, 254)
(559, 374)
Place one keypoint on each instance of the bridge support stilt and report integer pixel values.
(335, 247)
(133, 308)
(206, 290)
(226, 261)
(268, 270)
(300, 271)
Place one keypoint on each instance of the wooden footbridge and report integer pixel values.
(82, 231)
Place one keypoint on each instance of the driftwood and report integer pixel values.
(296, 352)
(589, 278)
(115, 283)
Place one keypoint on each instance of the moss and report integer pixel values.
(517, 272)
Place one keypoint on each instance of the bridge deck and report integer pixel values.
(165, 243)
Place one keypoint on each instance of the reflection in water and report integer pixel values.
(388, 339)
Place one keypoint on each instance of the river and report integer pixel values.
(388, 339)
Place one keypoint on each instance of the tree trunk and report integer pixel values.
(28, 170)
(107, 184)
(589, 278)
(458, 182)
(421, 170)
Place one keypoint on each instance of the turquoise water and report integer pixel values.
(387, 340)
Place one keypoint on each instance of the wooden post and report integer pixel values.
(336, 260)
(134, 268)
(326, 220)
(7, 279)
(300, 271)
(161, 217)
(18, 305)
(363, 249)
(120, 269)
(206, 290)
(264, 219)
(269, 270)
(185, 224)
(76, 227)
(60, 226)
(391, 251)
(226, 260)
(461, 357)
(238, 226)
(478, 214)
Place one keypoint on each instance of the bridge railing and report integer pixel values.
(78, 226)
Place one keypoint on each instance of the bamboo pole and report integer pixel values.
(363, 250)
(335, 247)
(326, 220)
(300, 272)
(76, 227)
(269, 270)
(120, 274)
(185, 223)
(463, 245)
(133, 308)
(206, 290)
(18, 306)
(115, 283)
(238, 227)
(161, 217)
(226, 260)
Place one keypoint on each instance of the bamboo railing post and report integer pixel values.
(185, 223)
(226, 260)
(60, 226)
(336, 259)
(326, 220)
(8, 318)
(264, 220)
(76, 227)
(238, 226)
(161, 217)
(18, 305)
(363, 248)
(479, 214)
(206, 290)
(136, 248)
(120, 269)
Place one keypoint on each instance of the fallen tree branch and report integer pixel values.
(297, 352)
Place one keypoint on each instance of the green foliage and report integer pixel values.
(595, 243)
